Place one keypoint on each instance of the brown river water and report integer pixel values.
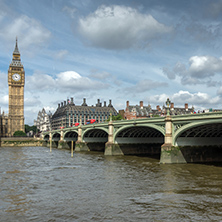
(37, 185)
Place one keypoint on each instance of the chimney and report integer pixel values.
(127, 103)
(59, 105)
(104, 103)
(98, 103)
(110, 103)
(141, 104)
(67, 101)
(72, 100)
(186, 106)
(171, 105)
(84, 102)
(64, 103)
(158, 107)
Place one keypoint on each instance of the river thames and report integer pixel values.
(37, 185)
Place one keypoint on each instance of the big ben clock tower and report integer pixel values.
(16, 82)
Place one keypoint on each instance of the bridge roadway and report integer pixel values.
(174, 139)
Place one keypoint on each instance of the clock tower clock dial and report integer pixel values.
(16, 82)
(16, 77)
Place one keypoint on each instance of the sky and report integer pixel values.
(123, 50)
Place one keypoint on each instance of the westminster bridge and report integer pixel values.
(175, 139)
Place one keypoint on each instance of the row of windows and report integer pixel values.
(89, 113)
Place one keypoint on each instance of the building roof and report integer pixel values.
(16, 61)
(65, 108)
(16, 51)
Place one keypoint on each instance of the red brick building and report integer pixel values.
(140, 111)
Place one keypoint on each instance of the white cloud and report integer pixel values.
(68, 81)
(120, 27)
(49, 108)
(71, 80)
(29, 31)
(204, 66)
(4, 100)
(198, 99)
(32, 102)
(39, 82)
(200, 71)
(3, 82)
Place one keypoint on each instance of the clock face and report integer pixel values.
(16, 77)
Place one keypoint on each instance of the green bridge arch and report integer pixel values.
(106, 130)
(192, 125)
(70, 131)
(153, 126)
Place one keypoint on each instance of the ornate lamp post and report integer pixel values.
(168, 106)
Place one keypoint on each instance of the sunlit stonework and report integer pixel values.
(16, 82)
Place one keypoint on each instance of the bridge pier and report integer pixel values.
(61, 140)
(63, 145)
(170, 153)
(80, 145)
(111, 148)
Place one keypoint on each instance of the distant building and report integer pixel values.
(3, 124)
(178, 110)
(67, 113)
(141, 111)
(43, 122)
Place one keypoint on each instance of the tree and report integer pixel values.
(31, 128)
(19, 133)
(114, 118)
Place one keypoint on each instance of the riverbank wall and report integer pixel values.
(21, 142)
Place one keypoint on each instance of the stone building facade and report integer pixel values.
(43, 122)
(3, 124)
(67, 113)
(16, 82)
(140, 111)
(14, 120)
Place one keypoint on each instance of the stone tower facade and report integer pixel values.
(16, 82)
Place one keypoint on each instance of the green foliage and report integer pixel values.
(30, 128)
(114, 118)
(19, 133)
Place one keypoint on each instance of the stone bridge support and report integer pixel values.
(170, 153)
(50, 142)
(62, 144)
(112, 148)
(80, 145)
(61, 140)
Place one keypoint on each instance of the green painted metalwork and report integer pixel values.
(192, 125)
(156, 127)
(180, 124)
